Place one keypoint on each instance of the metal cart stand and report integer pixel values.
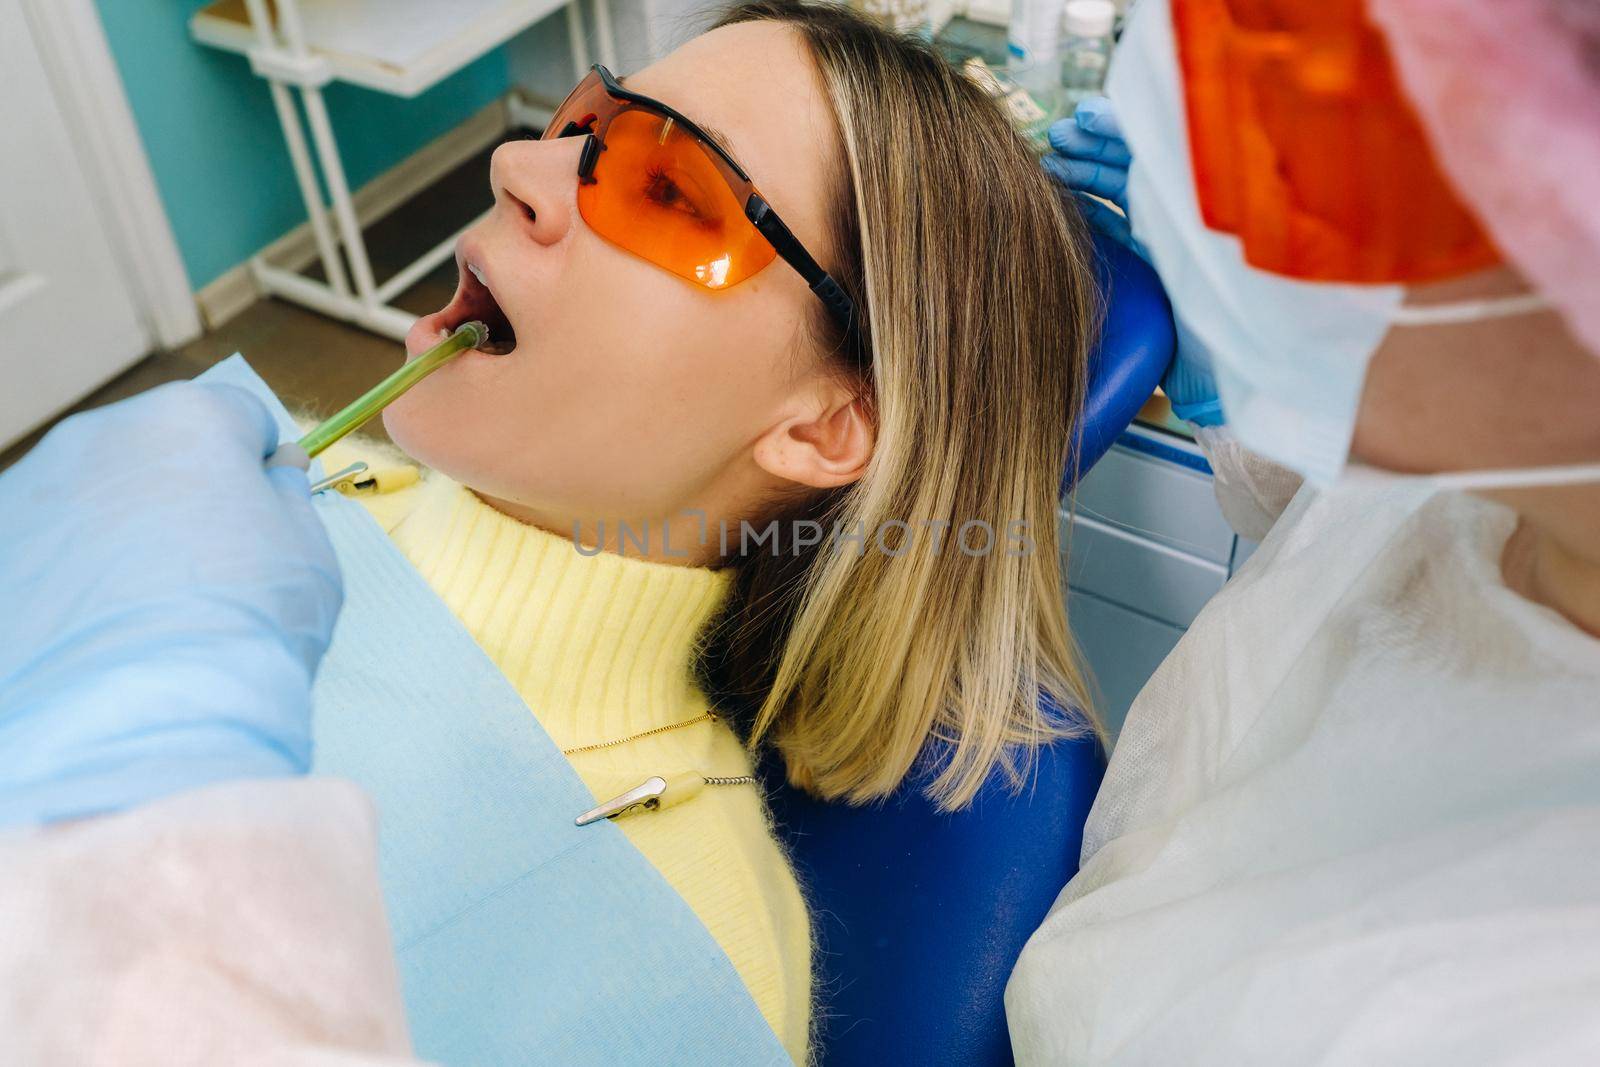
(399, 47)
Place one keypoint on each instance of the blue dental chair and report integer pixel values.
(921, 915)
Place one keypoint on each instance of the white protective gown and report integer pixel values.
(1354, 818)
(183, 934)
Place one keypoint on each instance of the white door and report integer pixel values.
(68, 320)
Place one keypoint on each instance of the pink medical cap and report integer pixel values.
(1509, 93)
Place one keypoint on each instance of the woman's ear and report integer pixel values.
(827, 445)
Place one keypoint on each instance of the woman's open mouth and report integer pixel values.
(473, 300)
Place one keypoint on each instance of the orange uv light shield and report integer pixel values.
(1305, 148)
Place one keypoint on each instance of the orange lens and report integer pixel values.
(658, 193)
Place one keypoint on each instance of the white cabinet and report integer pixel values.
(1124, 567)
(1146, 547)
(1123, 648)
(1162, 495)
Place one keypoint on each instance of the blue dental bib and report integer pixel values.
(521, 937)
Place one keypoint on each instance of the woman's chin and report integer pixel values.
(426, 432)
(405, 421)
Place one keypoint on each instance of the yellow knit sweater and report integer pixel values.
(601, 648)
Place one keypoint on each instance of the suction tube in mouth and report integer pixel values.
(467, 335)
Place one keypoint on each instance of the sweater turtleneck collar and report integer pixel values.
(600, 646)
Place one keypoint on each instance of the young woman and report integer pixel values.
(811, 464)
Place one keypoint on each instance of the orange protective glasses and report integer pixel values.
(653, 183)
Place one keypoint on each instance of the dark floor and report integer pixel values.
(316, 364)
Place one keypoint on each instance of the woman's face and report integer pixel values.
(630, 392)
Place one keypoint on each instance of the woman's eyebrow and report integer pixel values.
(717, 136)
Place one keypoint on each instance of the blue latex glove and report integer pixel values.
(164, 603)
(1091, 158)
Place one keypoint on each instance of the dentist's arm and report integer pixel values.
(1091, 159)
(171, 888)
(164, 602)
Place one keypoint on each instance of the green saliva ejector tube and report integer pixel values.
(352, 418)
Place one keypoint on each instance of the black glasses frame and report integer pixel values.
(756, 208)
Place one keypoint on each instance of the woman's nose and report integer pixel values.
(538, 180)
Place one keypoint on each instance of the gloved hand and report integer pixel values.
(164, 603)
(1091, 158)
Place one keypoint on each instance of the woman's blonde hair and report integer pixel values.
(977, 306)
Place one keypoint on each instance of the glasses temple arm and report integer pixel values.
(832, 294)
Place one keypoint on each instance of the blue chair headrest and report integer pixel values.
(921, 915)
(1137, 343)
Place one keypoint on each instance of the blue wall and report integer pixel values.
(215, 144)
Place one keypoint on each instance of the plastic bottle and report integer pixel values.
(1032, 44)
(1085, 49)
(902, 16)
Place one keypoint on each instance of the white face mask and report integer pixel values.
(1506, 478)
(1214, 441)
(1289, 357)
(1362, 475)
